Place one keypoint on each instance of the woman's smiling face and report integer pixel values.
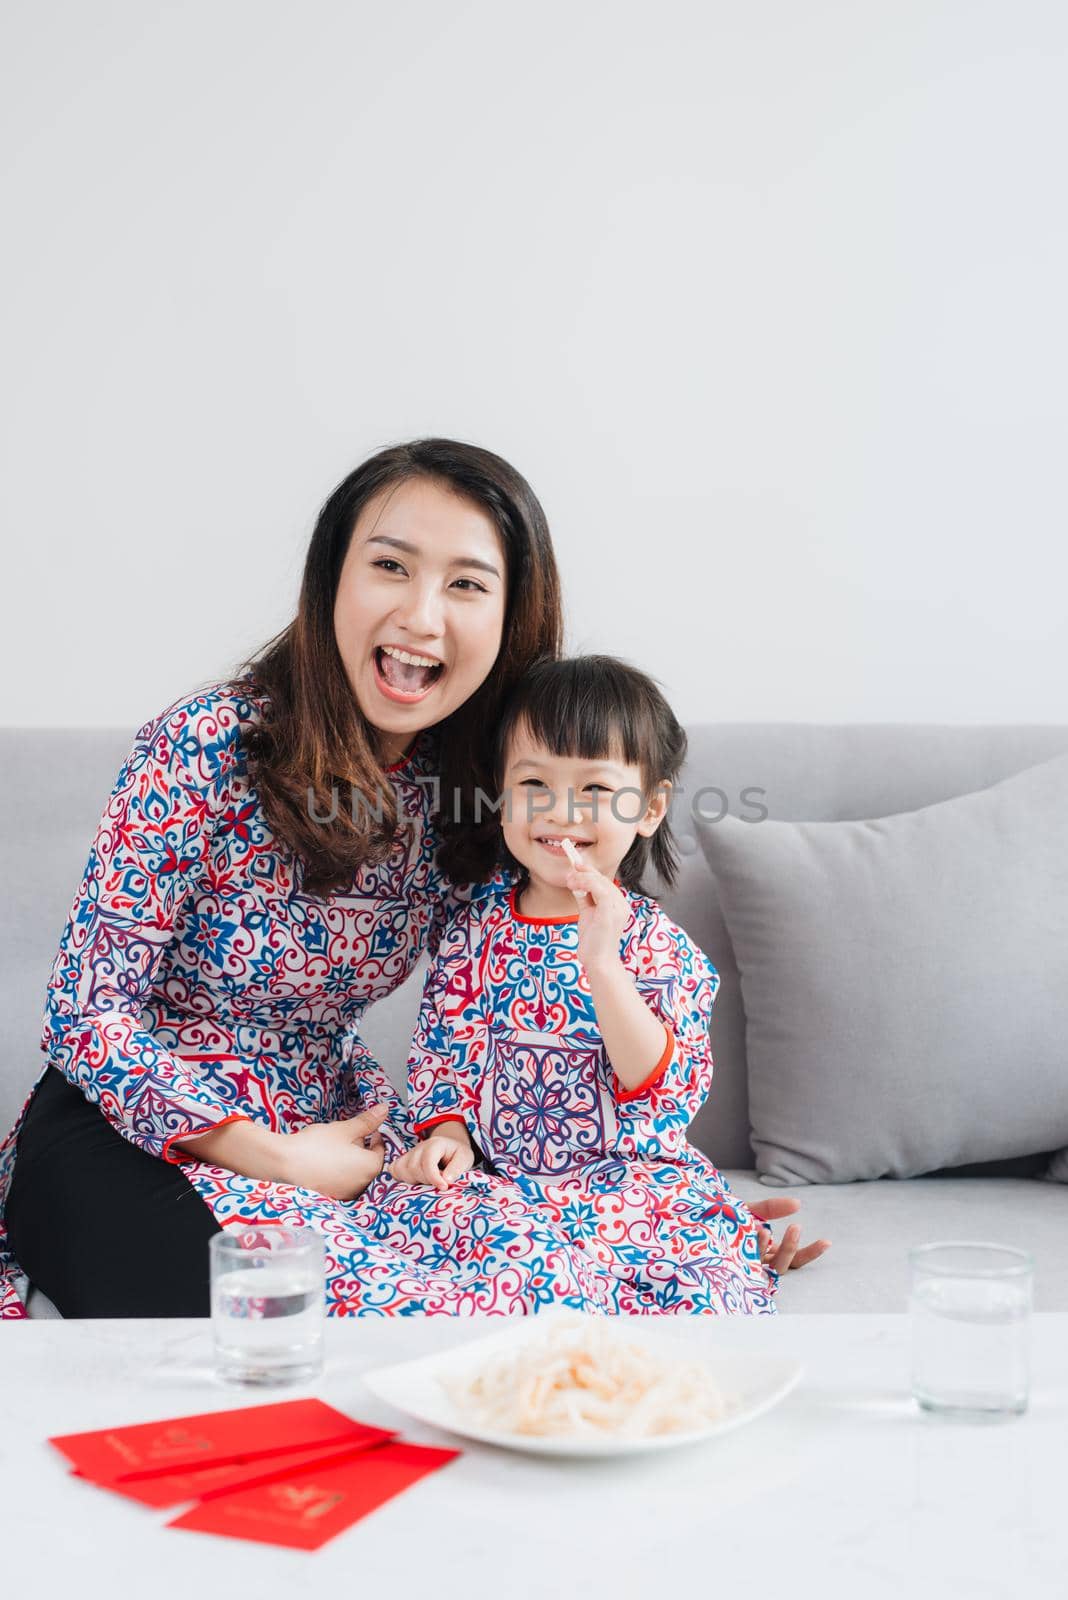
(419, 610)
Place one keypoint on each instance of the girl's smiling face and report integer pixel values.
(419, 609)
(599, 804)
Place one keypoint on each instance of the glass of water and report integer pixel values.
(971, 1307)
(267, 1298)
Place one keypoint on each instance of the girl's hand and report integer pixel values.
(603, 914)
(435, 1162)
(786, 1255)
(332, 1157)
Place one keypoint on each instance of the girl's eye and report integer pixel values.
(387, 561)
(602, 786)
(526, 782)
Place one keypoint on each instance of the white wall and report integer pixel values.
(767, 301)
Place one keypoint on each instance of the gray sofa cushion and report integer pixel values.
(905, 981)
(811, 772)
(873, 1226)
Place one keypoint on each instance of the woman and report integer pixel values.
(267, 866)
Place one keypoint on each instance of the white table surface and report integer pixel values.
(845, 1489)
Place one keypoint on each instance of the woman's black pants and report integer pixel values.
(102, 1228)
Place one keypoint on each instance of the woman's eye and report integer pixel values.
(387, 564)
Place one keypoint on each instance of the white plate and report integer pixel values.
(751, 1381)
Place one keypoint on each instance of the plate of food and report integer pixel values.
(576, 1385)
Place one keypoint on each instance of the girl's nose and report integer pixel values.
(564, 809)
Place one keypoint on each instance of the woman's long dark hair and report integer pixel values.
(314, 751)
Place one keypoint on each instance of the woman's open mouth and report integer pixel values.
(403, 675)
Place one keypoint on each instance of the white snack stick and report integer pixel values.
(571, 852)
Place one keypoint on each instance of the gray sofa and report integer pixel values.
(57, 782)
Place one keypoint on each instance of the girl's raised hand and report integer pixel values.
(603, 914)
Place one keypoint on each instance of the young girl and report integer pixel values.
(563, 1044)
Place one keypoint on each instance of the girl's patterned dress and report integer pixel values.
(508, 1042)
(196, 983)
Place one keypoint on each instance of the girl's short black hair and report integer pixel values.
(598, 707)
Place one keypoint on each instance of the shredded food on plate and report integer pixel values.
(584, 1380)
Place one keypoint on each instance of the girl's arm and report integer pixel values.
(638, 1044)
(454, 1129)
(652, 990)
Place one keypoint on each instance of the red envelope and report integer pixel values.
(147, 1450)
(172, 1488)
(306, 1506)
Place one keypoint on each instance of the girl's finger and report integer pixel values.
(771, 1210)
(811, 1252)
(431, 1171)
(584, 871)
(443, 1166)
(784, 1255)
(456, 1164)
(581, 881)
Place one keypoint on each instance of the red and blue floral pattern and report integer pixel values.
(196, 982)
(507, 1041)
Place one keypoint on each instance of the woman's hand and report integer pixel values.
(435, 1162)
(338, 1159)
(332, 1157)
(786, 1254)
(603, 914)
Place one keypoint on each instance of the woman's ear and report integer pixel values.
(656, 810)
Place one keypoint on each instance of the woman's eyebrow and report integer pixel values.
(414, 550)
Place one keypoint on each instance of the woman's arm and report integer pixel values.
(448, 1025)
(150, 849)
(240, 1146)
(327, 1157)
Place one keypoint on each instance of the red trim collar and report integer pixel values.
(545, 922)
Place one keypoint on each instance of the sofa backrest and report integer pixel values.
(56, 783)
(813, 773)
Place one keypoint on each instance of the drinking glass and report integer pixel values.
(971, 1306)
(267, 1297)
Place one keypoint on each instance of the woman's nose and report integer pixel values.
(420, 611)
